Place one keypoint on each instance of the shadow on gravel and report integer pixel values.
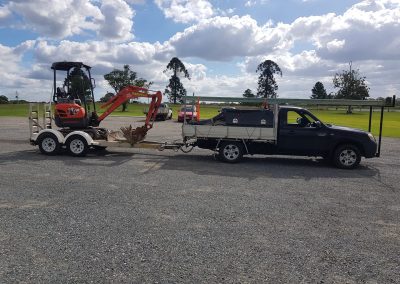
(272, 167)
(104, 158)
(250, 167)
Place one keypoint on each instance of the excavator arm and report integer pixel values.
(133, 92)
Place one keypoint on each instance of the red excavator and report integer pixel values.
(75, 107)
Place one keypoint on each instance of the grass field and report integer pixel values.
(359, 119)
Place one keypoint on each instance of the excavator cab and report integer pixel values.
(73, 96)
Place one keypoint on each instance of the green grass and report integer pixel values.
(14, 110)
(359, 119)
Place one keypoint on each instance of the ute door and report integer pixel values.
(301, 134)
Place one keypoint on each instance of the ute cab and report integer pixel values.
(73, 96)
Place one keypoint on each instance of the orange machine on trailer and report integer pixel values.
(74, 101)
(75, 113)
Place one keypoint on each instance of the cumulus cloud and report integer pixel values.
(59, 19)
(222, 38)
(117, 20)
(368, 30)
(185, 11)
(367, 34)
(5, 14)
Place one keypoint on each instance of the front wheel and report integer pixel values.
(77, 146)
(48, 144)
(230, 151)
(347, 156)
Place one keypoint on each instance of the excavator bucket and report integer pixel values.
(136, 135)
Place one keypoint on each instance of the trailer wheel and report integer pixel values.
(77, 146)
(347, 156)
(48, 144)
(230, 151)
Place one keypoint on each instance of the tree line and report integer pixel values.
(349, 84)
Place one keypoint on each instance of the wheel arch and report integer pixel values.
(57, 133)
(87, 137)
(351, 142)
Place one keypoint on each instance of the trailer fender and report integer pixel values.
(57, 133)
(87, 137)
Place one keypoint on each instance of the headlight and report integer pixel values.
(371, 137)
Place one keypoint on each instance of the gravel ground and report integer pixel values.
(142, 216)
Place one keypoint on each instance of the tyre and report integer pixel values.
(48, 144)
(230, 151)
(77, 146)
(347, 156)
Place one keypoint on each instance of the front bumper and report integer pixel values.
(370, 149)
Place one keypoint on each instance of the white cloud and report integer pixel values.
(250, 3)
(59, 19)
(117, 20)
(368, 34)
(335, 45)
(185, 11)
(222, 38)
(5, 14)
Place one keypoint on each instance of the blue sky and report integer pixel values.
(221, 42)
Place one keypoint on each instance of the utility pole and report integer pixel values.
(16, 96)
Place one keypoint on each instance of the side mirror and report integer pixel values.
(318, 124)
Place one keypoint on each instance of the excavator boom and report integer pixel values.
(132, 92)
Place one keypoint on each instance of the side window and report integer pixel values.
(292, 117)
(296, 119)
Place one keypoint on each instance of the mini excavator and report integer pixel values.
(75, 107)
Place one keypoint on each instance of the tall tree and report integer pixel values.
(351, 86)
(267, 85)
(119, 79)
(175, 89)
(318, 91)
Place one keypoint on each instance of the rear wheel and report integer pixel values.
(77, 146)
(48, 144)
(230, 151)
(347, 156)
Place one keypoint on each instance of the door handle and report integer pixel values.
(291, 132)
